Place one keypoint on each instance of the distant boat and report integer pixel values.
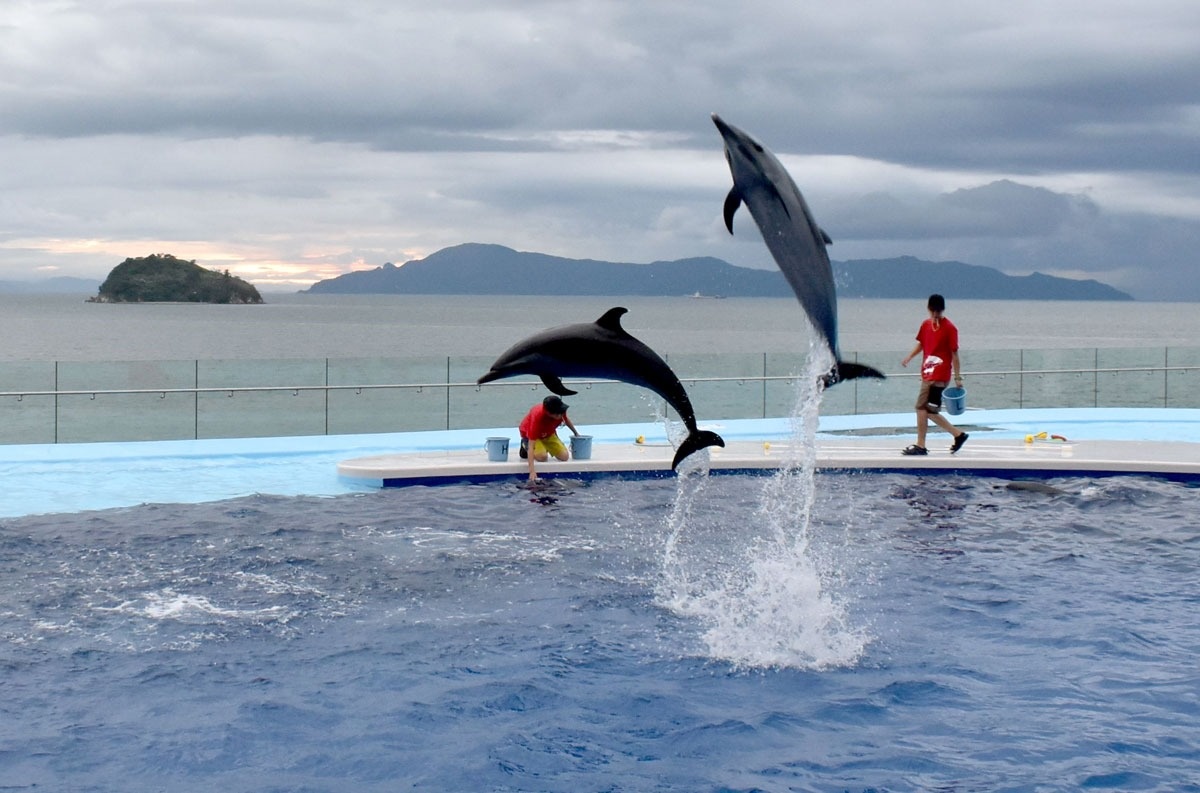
(698, 296)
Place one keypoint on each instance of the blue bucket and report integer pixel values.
(497, 449)
(581, 447)
(955, 398)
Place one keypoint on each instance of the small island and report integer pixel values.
(162, 278)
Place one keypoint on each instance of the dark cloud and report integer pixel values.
(1019, 228)
(582, 128)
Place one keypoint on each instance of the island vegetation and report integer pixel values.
(162, 278)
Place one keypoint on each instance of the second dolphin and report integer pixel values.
(602, 349)
(793, 237)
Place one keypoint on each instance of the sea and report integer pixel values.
(67, 328)
(788, 632)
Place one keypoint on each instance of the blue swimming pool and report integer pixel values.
(894, 633)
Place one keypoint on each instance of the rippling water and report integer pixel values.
(971, 637)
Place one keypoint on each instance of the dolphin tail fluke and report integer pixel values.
(694, 442)
(844, 370)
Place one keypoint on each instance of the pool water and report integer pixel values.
(852, 632)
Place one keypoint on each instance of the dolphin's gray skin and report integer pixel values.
(605, 350)
(793, 237)
(1037, 487)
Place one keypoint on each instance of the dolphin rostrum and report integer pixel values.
(605, 350)
(793, 237)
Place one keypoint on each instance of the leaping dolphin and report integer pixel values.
(795, 240)
(605, 350)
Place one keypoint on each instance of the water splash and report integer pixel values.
(758, 588)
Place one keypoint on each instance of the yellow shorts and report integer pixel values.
(550, 446)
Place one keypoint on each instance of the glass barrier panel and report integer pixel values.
(1058, 378)
(613, 402)
(724, 398)
(377, 410)
(1145, 385)
(893, 394)
(87, 418)
(780, 396)
(373, 410)
(995, 379)
(248, 373)
(991, 391)
(1183, 387)
(27, 375)
(23, 418)
(125, 375)
(260, 414)
(28, 419)
(499, 404)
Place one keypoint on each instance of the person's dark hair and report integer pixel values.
(937, 303)
(554, 405)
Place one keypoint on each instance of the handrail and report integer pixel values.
(231, 390)
(190, 404)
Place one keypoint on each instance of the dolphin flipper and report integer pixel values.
(555, 384)
(732, 202)
(694, 442)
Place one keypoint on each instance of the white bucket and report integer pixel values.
(497, 449)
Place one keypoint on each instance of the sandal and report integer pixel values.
(915, 451)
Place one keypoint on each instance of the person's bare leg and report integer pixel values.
(944, 423)
(922, 426)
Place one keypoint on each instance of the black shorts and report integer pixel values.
(929, 398)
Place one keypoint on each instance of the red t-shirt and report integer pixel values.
(539, 424)
(938, 343)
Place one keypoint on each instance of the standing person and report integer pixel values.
(539, 432)
(937, 339)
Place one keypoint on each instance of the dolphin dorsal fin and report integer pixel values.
(732, 202)
(612, 319)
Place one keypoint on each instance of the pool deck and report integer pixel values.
(54, 478)
(1000, 445)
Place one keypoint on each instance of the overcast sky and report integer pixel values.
(294, 141)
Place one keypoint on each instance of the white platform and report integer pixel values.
(981, 455)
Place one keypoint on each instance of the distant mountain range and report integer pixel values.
(477, 269)
(60, 285)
